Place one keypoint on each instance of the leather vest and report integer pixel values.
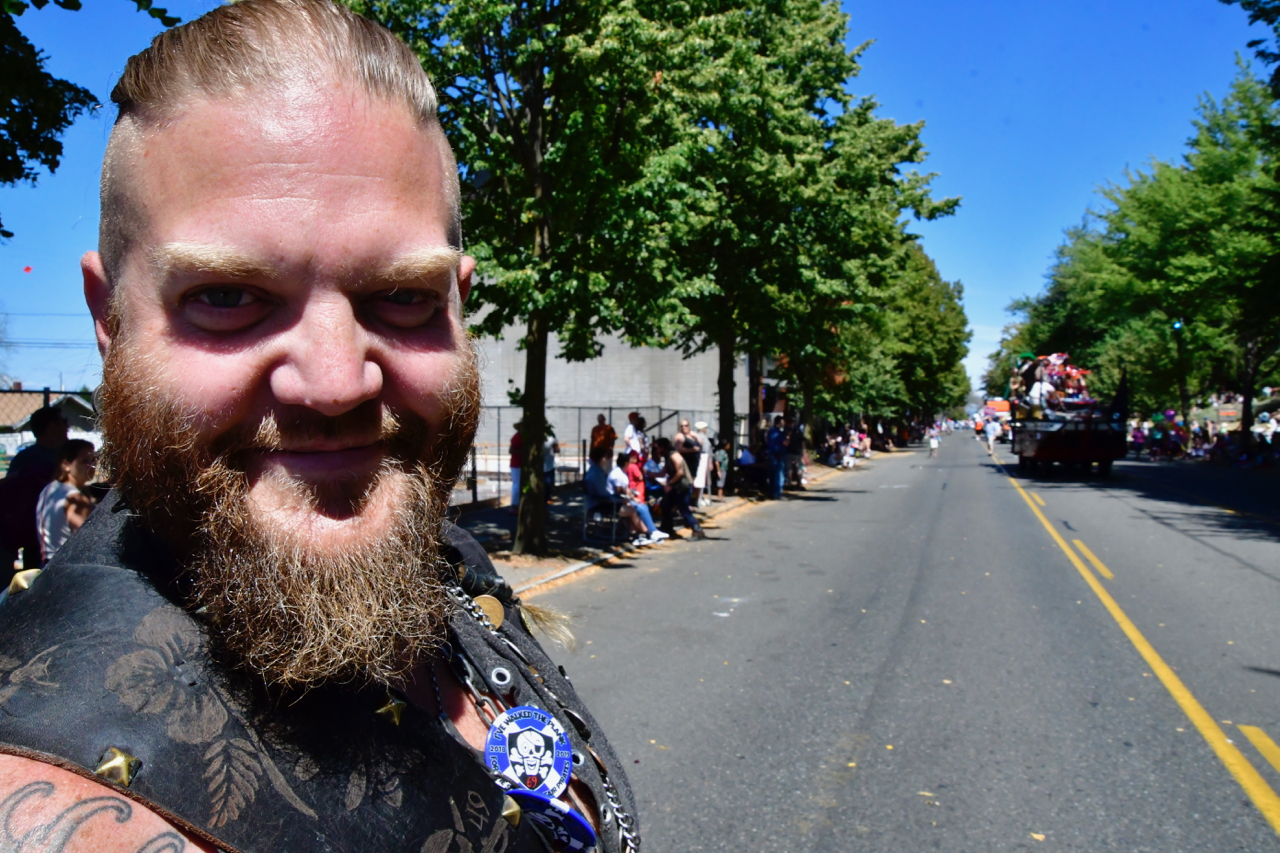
(99, 654)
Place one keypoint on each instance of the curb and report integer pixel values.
(574, 568)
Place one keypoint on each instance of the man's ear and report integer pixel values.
(465, 268)
(97, 294)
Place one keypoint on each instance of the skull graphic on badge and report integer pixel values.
(530, 747)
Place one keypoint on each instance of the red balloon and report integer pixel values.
(26, 269)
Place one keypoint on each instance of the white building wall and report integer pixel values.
(623, 377)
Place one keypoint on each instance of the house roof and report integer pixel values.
(17, 407)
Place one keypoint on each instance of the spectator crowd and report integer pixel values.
(645, 486)
(46, 494)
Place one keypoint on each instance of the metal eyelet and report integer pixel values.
(500, 676)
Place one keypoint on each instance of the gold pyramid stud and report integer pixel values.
(117, 766)
(393, 710)
(511, 810)
(22, 580)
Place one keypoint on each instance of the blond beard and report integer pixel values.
(278, 606)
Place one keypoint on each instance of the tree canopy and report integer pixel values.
(688, 174)
(1173, 277)
(35, 106)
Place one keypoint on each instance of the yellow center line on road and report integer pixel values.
(1232, 758)
(1097, 564)
(1039, 499)
(1263, 744)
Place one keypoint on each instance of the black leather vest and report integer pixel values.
(99, 654)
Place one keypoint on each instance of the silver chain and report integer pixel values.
(468, 604)
(626, 823)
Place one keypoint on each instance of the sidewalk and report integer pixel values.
(494, 528)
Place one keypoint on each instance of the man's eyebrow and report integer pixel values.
(210, 258)
(422, 264)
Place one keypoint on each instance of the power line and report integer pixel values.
(42, 314)
(48, 344)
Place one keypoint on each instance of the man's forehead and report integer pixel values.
(230, 186)
(276, 142)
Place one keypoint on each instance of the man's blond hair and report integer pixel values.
(254, 46)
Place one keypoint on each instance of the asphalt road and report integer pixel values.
(904, 659)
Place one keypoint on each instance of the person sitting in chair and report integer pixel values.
(622, 483)
(600, 495)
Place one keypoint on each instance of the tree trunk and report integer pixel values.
(806, 407)
(754, 381)
(531, 524)
(725, 387)
(1184, 395)
(1248, 376)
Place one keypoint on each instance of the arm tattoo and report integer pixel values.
(53, 836)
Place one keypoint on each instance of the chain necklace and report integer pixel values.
(485, 705)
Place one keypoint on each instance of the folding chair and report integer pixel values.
(596, 516)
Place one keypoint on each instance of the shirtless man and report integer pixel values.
(678, 490)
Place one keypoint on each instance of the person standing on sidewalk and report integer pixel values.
(677, 489)
(517, 464)
(549, 451)
(633, 436)
(603, 434)
(775, 447)
(30, 471)
(795, 453)
(700, 478)
(722, 467)
(63, 506)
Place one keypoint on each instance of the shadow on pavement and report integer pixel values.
(495, 527)
(1195, 498)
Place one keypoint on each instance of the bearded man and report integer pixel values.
(267, 637)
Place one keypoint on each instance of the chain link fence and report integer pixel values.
(16, 406)
(571, 426)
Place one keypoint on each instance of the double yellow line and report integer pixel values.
(1250, 780)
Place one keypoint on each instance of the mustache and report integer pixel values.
(299, 427)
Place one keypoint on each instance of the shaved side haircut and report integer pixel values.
(254, 46)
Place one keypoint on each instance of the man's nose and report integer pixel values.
(327, 365)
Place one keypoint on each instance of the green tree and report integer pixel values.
(784, 233)
(1267, 13)
(1175, 277)
(930, 336)
(747, 108)
(551, 109)
(35, 106)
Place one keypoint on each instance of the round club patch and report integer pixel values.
(562, 827)
(530, 747)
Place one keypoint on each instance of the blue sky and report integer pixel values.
(1029, 107)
